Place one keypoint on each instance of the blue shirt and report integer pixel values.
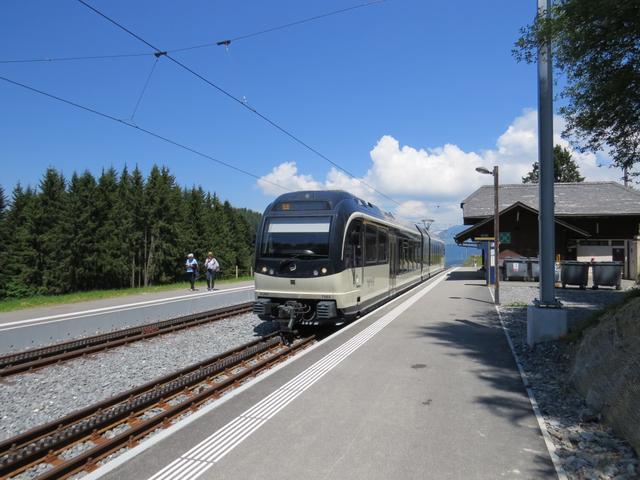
(190, 264)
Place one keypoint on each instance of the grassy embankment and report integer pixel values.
(594, 319)
(12, 304)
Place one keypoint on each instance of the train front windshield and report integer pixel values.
(296, 237)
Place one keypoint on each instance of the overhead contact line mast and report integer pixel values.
(139, 412)
(41, 357)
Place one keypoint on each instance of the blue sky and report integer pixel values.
(405, 94)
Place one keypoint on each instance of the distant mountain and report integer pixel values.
(455, 254)
(448, 234)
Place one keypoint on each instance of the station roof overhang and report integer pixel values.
(473, 230)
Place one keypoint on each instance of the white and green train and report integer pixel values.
(326, 257)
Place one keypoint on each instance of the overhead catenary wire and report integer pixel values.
(238, 100)
(228, 41)
(144, 88)
(68, 59)
(202, 45)
(141, 129)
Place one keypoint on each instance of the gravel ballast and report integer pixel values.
(586, 448)
(31, 399)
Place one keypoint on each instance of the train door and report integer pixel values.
(393, 261)
(353, 253)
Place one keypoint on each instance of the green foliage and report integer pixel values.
(114, 232)
(595, 43)
(22, 254)
(473, 260)
(565, 169)
(4, 239)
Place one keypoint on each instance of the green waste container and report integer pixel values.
(515, 268)
(574, 273)
(608, 274)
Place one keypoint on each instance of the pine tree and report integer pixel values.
(4, 239)
(222, 242)
(139, 225)
(22, 274)
(130, 190)
(82, 219)
(163, 260)
(194, 229)
(112, 267)
(119, 230)
(565, 169)
(52, 233)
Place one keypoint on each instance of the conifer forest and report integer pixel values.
(118, 230)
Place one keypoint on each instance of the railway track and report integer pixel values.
(79, 441)
(41, 357)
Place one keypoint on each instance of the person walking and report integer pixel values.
(192, 270)
(212, 266)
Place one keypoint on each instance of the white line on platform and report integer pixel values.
(116, 308)
(239, 424)
(560, 472)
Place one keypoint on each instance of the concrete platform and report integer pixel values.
(424, 388)
(41, 326)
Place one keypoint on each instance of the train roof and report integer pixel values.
(330, 200)
(326, 200)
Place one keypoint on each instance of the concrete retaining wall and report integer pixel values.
(606, 370)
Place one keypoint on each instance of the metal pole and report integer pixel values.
(496, 232)
(546, 229)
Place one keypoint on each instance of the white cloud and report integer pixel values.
(431, 182)
(286, 176)
(443, 172)
(415, 209)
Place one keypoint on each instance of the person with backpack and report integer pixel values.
(192, 270)
(212, 266)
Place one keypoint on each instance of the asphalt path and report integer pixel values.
(424, 388)
(42, 326)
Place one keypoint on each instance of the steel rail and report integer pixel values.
(38, 445)
(41, 357)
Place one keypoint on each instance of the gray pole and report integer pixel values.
(546, 228)
(496, 232)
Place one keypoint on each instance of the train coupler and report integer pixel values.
(287, 332)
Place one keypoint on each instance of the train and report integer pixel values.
(327, 257)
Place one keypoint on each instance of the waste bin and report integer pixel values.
(534, 269)
(515, 268)
(608, 274)
(574, 273)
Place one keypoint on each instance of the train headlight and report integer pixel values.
(323, 270)
(264, 269)
(315, 273)
(271, 271)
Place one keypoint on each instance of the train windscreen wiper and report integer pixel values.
(293, 254)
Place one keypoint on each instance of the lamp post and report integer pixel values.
(427, 222)
(496, 227)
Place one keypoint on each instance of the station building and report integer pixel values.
(594, 221)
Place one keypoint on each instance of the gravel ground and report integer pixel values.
(31, 399)
(586, 447)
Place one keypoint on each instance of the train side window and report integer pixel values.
(403, 256)
(370, 244)
(383, 246)
(353, 246)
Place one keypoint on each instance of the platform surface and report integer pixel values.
(431, 391)
(38, 327)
